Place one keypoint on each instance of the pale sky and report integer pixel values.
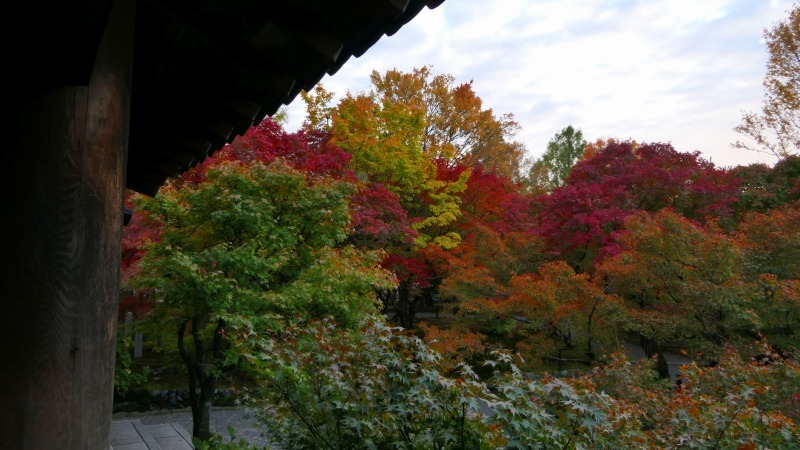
(678, 71)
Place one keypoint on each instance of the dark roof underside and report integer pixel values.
(204, 71)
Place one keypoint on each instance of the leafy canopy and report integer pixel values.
(564, 149)
(776, 128)
(258, 239)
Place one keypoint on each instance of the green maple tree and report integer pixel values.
(246, 251)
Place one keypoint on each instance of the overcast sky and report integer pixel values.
(678, 71)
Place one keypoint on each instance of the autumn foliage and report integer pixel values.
(406, 206)
(579, 221)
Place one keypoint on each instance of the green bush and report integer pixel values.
(382, 388)
(124, 377)
(375, 388)
(217, 442)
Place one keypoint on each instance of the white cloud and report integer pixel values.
(675, 71)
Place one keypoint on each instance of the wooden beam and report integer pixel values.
(63, 179)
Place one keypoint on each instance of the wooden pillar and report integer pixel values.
(62, 180)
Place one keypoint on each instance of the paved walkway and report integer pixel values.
(165, 426)
(132, 434)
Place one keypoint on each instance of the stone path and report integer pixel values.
(132, 434)
(165, 426)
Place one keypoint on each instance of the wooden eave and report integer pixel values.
(204, 71)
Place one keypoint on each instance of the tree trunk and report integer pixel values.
(589, 338)
(406, 306)
(202, 382)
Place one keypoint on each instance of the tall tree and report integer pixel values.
(563, 150)
(384, 142)
(387, 132)
(319, 109)
(457, 127)
(776, 128)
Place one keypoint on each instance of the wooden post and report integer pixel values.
(137, 344)
(62, 193)
(128, 323)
